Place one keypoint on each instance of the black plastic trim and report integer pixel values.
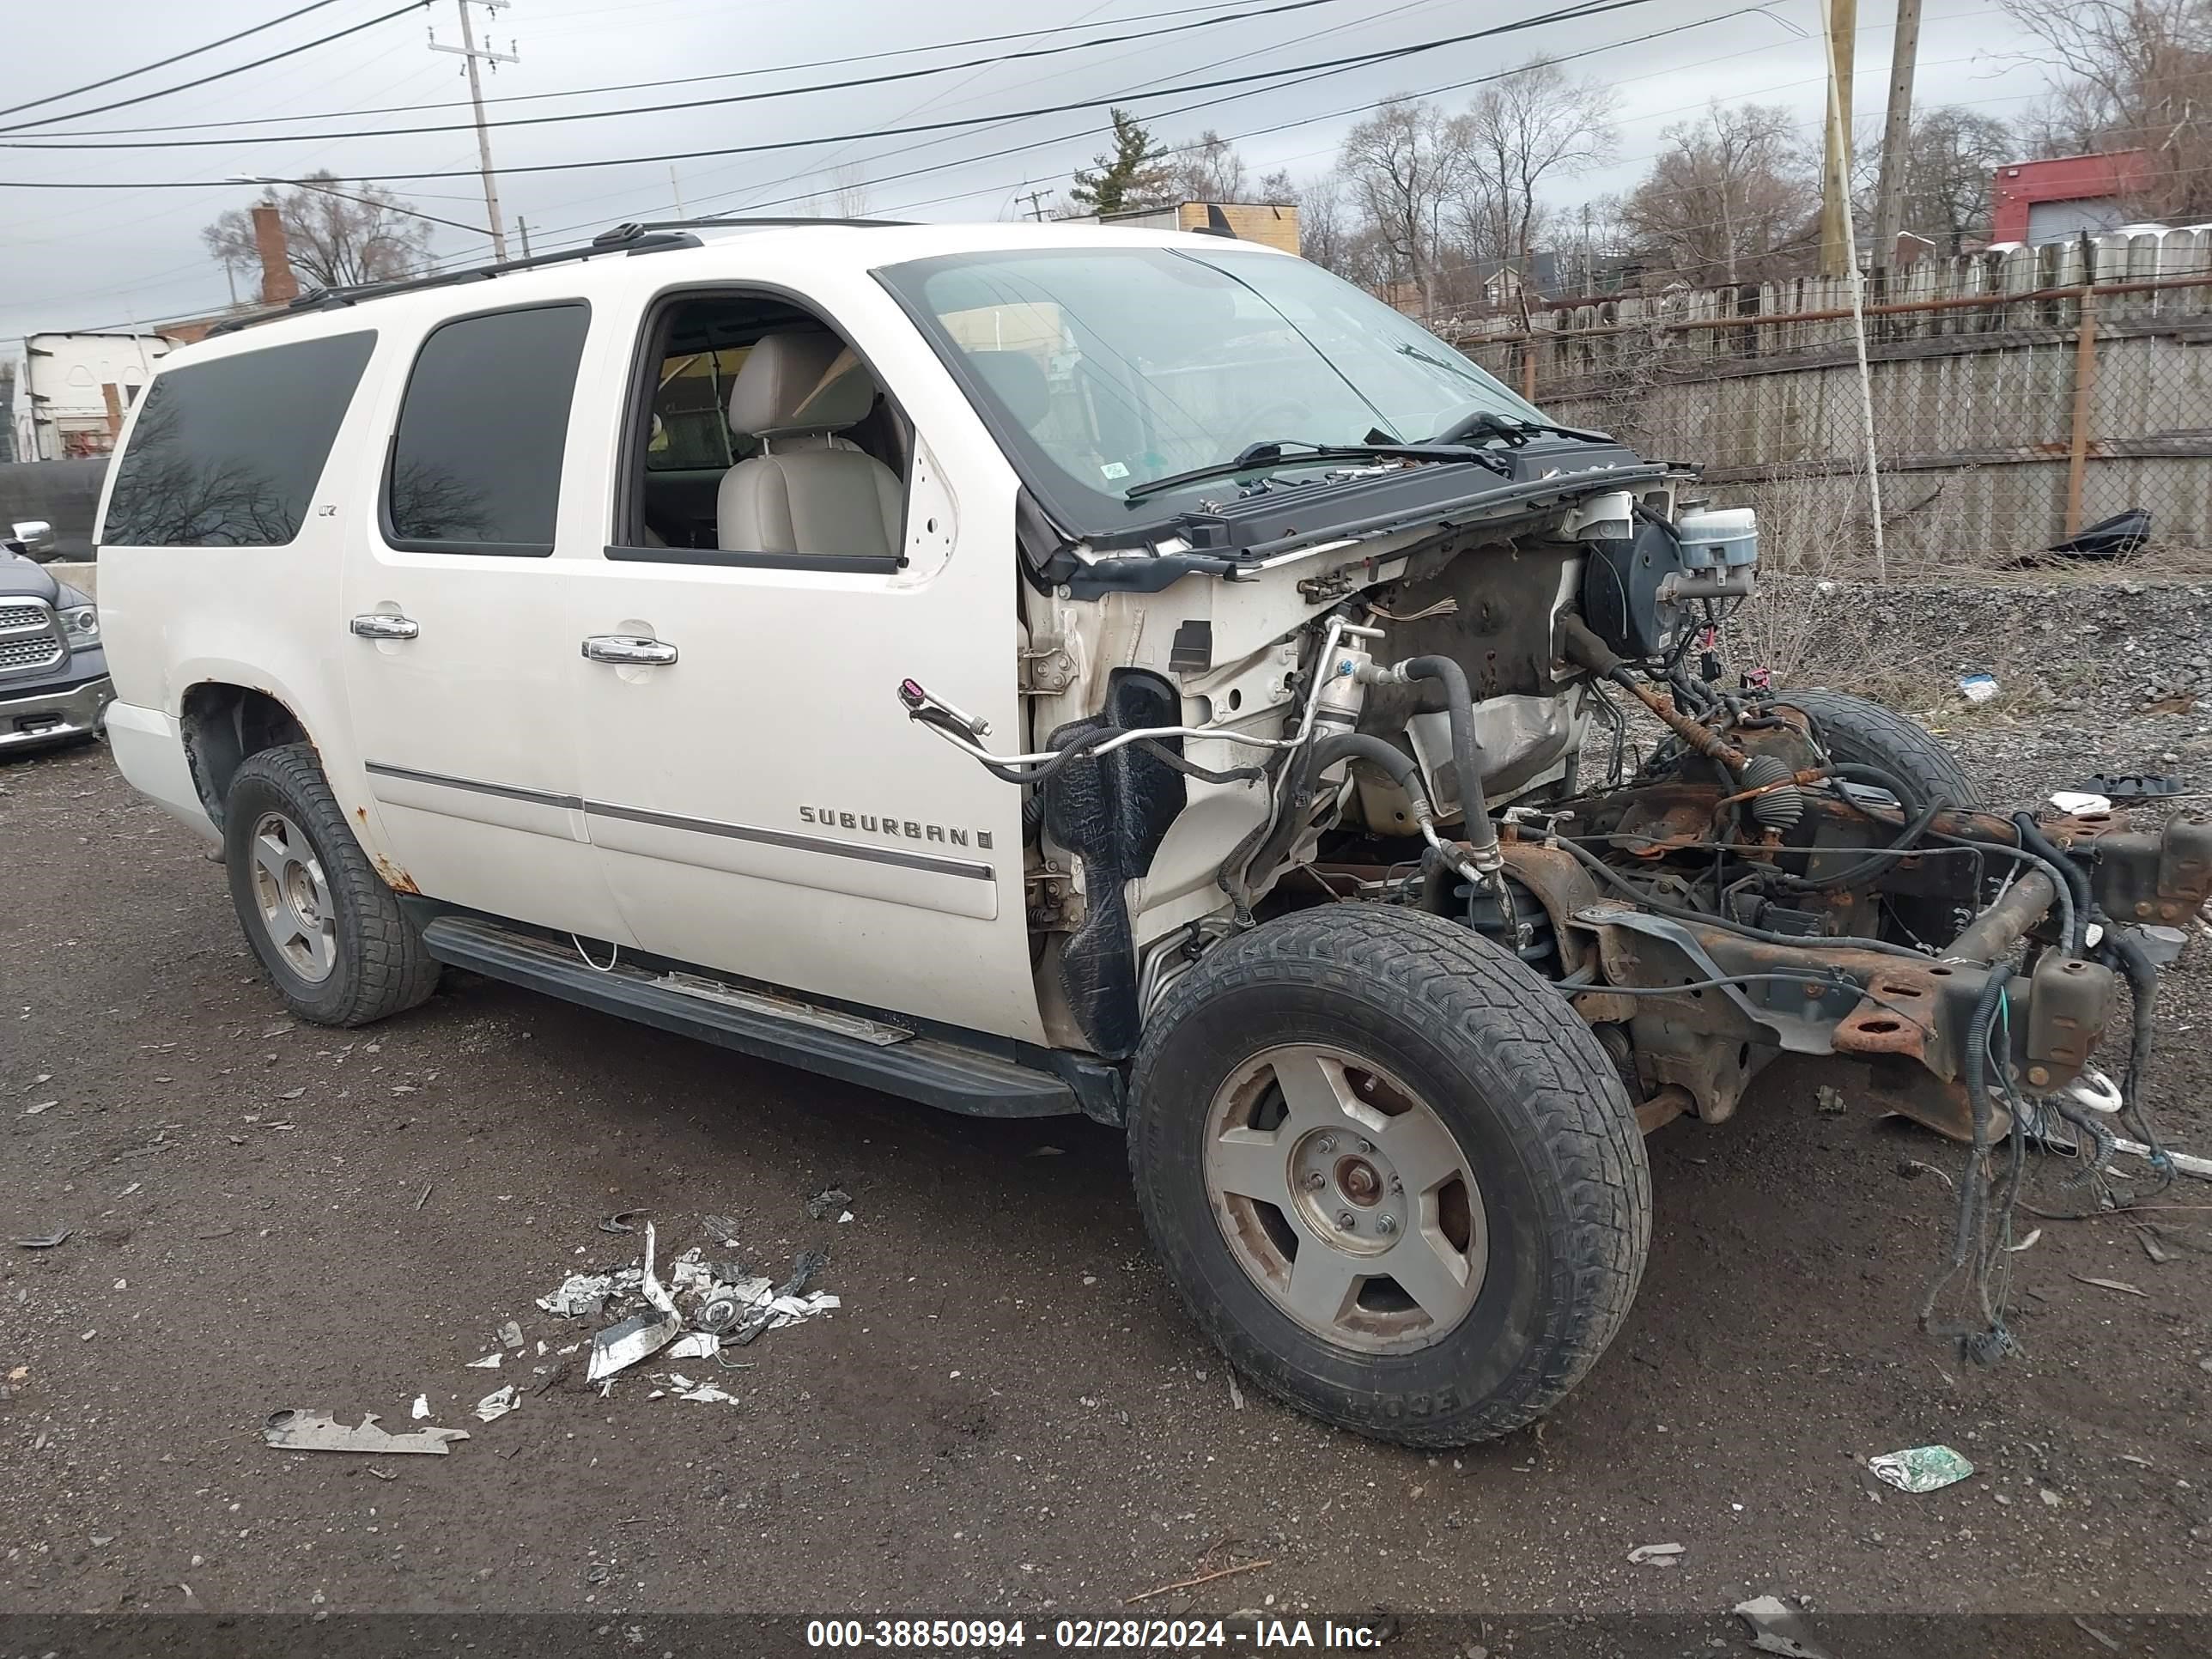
(947, 1075)
(865, 565)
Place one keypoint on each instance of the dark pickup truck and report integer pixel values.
(53, 674)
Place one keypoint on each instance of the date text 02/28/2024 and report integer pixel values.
(1003, 1635)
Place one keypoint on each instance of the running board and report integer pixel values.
(947, 1075)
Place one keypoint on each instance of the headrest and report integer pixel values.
(810, 382)
(1019, 380)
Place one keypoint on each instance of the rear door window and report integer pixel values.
(228, 453)
(475, 459)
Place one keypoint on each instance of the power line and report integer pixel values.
(175, 57)
(701, 103)
(1361, 60)
(1234, 137)
(221, 75)
(641, 85)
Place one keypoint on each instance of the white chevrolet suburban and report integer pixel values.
(1043, 669)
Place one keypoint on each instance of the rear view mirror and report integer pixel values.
(36, 534)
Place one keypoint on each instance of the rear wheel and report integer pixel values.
(326, 927)
(1391, 1172)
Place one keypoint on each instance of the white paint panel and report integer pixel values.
(823, 873)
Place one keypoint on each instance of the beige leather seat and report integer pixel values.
(807, 492)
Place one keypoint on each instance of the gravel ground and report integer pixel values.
(1009, 1413)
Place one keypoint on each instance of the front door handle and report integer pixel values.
(384, 625)
(630, 650)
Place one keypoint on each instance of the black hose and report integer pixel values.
(2141, 974)
(1466, 757)
(2076, 879)
(1400, 767)
(1978, 1101)
(1873, 863)
(1705, 918)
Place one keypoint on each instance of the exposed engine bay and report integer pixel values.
(1438, 715)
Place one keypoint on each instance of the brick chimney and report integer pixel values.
(278, 284)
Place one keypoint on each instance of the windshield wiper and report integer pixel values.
(1484, 423)
(1271, 452)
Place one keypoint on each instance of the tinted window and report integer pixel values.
(228, 453)
(476, 464)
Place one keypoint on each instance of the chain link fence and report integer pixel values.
(2021, 398)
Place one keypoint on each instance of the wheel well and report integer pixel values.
(223, 726)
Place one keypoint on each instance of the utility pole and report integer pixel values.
(1896, 135)
(522, 229)
(469, 52)
(675, 191)
(1035, 199)
(1836, 171)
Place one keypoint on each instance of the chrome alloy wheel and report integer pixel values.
(1345, 1199)
(293, 898)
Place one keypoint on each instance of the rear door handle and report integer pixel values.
(384, 625)
(634, 650)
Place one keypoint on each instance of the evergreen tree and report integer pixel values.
(1134, 174)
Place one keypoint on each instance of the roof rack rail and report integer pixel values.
(623, 238)
(741, 220)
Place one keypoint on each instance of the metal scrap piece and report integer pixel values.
(831, 1198)
(650, 1287)
(306, 1431)
(1776, 1629)
(802, 1268)
(639, 1337)
(619, 1222)
(497, 1403)
(45, 1244)
(580, 1296)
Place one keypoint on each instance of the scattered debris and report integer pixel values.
(2097, 1636)
(1830, 1101)
(2151, 1247)
(2074, 802)
(421, 1408)
(2027, 1243)
(1655, 1555)
(2050, 1500)
(2108, 538)
(1192, 1583)
(1911, 1169)
(829, 1198)
(1921, 1468)
(1775, 1628)
(1047, 1152)
(488, 1363)
(581, 1296)
(1236, 1394)
(511, 1334)
(2121, 1286)
(719, 1227)
(424, 1198)
(639, 1337)
(787, 1305)
(1978, 687)
(694, 1344)
(619, 1222)
(306, 1431)
(497, 1403)
(45, 1244)
(42, 1106)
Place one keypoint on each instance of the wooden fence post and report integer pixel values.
(2085, 387)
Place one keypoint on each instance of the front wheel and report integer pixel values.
(1392, 1173)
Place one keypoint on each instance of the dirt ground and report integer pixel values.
(1009, 1413)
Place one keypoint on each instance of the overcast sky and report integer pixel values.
(87, 258)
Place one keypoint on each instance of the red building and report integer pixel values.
(2049, 201)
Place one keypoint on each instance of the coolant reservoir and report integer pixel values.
(1724, 537)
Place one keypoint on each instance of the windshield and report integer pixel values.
(1105, 369)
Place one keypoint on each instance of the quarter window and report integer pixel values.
(475, 461)
(228, 453)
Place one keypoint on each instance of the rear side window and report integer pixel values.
(228, 453)
(476, 461)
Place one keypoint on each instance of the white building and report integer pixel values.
(73, 390)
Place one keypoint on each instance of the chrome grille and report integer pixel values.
(30, 638)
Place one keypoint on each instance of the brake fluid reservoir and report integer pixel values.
(1725, 537)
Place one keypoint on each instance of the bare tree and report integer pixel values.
(848, 193)
(334, 242)
(2129, 75)
(1536, 124)
(1951, 156)
(1331, 234)
(1208, 170)
(1731, 192)
(1400, 167)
